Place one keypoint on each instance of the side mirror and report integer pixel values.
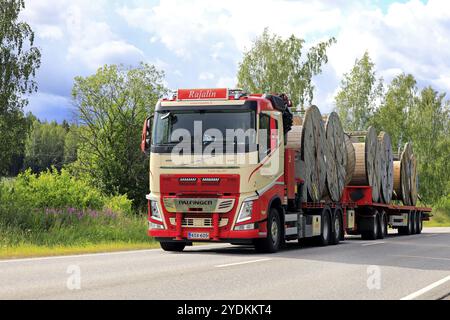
(146, 139)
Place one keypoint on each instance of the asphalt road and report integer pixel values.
(411, 267)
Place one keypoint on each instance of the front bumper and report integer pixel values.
(222, 236)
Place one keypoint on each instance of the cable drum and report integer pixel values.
(402, 176)
(367, 164)
(351, 159)
(313, 153)
(387, 168)
(337, 165)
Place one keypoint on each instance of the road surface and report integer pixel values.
(399, 267)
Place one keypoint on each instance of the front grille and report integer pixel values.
(210, 180)
(226, 204)
(199, 222)
(192, 222)
(188, 180)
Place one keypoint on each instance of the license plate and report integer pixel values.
(198, 236)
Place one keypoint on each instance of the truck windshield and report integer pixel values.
(210, 126)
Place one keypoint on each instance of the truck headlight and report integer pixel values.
(155, 226)
(154, 211)
(246, 211)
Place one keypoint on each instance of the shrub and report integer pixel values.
(56, 208)
(51, 189)
(120, 205)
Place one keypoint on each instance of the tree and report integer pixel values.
(394, 114)
(112, 106)
(277, 65)
(19, 60)
(429, 130)
(45, 147)
(359, 93)
(71, 144)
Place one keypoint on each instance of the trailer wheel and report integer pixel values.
(326, 233)
(406, 231)
(172, 246)
(337, 228)
(372, 233)
(383, 226)
(413, 223)
(271, 243)
(419, 222)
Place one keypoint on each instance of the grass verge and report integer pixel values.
(440, 218)
(33, 251)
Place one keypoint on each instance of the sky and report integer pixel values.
(199, 43)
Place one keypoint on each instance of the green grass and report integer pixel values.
(441, 214)
(31, 251)
(56, 214)
(439, 219)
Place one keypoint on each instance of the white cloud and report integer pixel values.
(83, 28)
(206, 76)
(226, 82)
(106, 53)
(48, 106)
(200, 42)
(184, 25)
(411, 37)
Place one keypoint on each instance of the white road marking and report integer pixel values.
(421, 257)
(79, 256)
(100, 254)
(373, 243)
(426, 289)
(239, 263)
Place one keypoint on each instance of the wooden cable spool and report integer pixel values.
(336, 162)
(387, 168)
(377, 174)
(367, 165)
(383, 172)
(402, 176)
(294, 139)
(397, 181)
(414, 181)
(351, 159)
(313, 150)
(297, 120)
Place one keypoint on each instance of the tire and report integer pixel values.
(406, 231)
(382, 226)
(326, 233)
(419, 222)
(172, 246)
(413, 223)
(337, 228)
(373, 233)
(272, 242)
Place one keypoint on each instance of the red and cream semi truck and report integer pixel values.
(248, 193)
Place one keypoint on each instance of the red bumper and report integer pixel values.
(222, 236)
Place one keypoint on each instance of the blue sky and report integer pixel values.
(199, 43)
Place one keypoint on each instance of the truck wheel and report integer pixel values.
(271, 243)
(172, 246)
(406, 231)
(382, 226)
(413, 223)
(326, 233)
(419, 222)
(372, 234)
(337, 232)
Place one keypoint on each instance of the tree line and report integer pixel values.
(102, 144)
